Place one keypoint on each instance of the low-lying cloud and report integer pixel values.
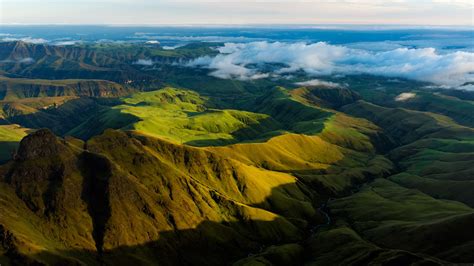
(144, 62)
(22, 60)
(318, 82)
(67, 42)
(245, 61)
(191, 38)
(405, 96)
(25, 39)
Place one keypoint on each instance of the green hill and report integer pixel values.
(181, 116)
(168, 197)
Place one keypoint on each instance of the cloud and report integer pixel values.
(207, 38)
(318, 82)
(405, 96)
(173, 47)
(224, 68)
(25, 39)
(152, 42)
(26, 60)
(64, 43)
(467, 87)
(144, 62)
(246, 61)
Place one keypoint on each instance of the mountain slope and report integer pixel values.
(168, 197)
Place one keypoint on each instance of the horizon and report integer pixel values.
(330, 26)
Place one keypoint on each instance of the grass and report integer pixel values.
(399, 218)
(184, 117)
(164, 190)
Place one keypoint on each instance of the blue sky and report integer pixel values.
(179, 12)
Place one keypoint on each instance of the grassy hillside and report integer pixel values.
(394, 219)
(435, 153)
(406, 126)
(175, 198)
(330, 161)
(184, 117)
(422, 224)
(59, 114)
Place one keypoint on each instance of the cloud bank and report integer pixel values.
(25, 39)
(246, 61)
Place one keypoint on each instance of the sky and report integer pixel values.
(226, 12)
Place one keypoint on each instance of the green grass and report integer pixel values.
(182, 116)
(392, 216)
(164, 197)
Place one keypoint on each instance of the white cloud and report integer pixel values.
(25, 39)
(242, 61)
(155, 37)
(467, 87)
(405, 96)
(144, 62)
(27, 60)
(173, 47)
(152, 42)
(318, 82)
(64, 43)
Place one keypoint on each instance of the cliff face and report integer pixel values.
(130, 197)
(15, 89)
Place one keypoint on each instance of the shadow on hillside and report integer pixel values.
(60, 119)
(257, 133)
(7, 149)
(252, 133)
(281, 241)
(82, 112)
(209, 243)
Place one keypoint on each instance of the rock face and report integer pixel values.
(132, 198)
(40, 144)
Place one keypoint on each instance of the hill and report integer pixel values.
(171, 199)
